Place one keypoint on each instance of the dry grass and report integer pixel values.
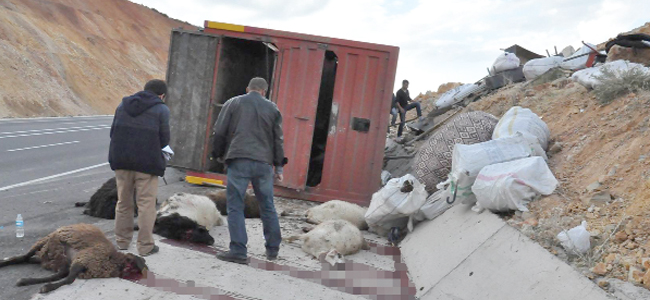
(615, 84)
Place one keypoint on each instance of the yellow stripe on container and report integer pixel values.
(225, 26)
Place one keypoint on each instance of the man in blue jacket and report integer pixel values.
(139, 132)
(248, 137)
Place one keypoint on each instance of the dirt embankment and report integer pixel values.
(78, 57)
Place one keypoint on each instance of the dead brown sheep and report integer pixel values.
(77, 251)
(251, 206)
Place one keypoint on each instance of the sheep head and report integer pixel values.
(333, 257)
(135, 267)
(199, 235)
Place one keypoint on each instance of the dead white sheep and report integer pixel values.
(187, 217)
(336, 210)
(331, 239)
(77, 251)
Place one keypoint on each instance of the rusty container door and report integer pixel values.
(297, 98)
(190, 72)
(357, 134)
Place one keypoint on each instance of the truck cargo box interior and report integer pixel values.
(323, 112)
(239, 61)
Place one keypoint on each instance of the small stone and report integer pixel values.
(635, 275)
(602, 179)
(529, 93)
(632, 245)
(556, 148)
(603, 283)
(620, 237)
(645, 262)
(600, 269)
(593, 187)
(646, 280)
(642, 158)
(611, 258)
(532, 221)
(612, 171)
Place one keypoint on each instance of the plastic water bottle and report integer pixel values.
(20, 230)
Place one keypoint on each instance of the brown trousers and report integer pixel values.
(146, 188)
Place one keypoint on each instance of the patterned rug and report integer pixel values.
(432, 163)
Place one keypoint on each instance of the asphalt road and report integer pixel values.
(46, 165)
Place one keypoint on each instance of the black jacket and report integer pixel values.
(250, 126)
(139, 132)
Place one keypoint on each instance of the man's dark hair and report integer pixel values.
(405, 81)
(156, 86)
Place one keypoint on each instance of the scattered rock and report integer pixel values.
(635, 275)
(529, 93)
(556, 148)
(600, 269)
(632, 245)
(593, 187)
(611, 258)
(601, 198)
(602, 179)
(645, 262)
(612, 171)
(532, 221)
(646, 280)
(620, 237)
(603, 283)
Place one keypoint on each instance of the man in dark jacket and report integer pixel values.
(139, 132)
(402, 102)
(248, 137)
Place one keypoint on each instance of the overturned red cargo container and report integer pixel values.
(334, 96)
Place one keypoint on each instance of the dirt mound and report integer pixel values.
(76, 57)
(600, 156)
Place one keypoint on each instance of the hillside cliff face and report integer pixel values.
(78, 57)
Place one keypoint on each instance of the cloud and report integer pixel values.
(440, 41)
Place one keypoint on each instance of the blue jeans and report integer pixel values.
(240, 173)
(402, 116)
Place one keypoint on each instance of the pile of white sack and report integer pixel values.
(577, 61)
(589, 77)
(502, 174)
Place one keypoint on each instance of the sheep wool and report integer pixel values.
(196, 207)
(338, 210)
(339, 235)
(87, 245)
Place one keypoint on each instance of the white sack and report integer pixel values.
(587, 77)
(432, 208)
(468, 160)
(538, 66)
(511, 185)
(525, 121)
(576, 239)
(579, 59)
(505, 61)
(389, 207)
(458, 94)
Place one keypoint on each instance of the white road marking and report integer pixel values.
(49, 129)
(43, 146)
(53, 132)
(53, 118)
(6, 188)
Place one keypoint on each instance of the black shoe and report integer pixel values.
(271, 255)
(154, 250)
(227, 256)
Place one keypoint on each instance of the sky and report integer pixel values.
(439, 41)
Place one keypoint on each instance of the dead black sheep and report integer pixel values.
(182, 228)
(251, 206)
(102, 203)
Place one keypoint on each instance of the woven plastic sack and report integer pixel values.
(511, 185)
(468, 160)
(579, 59)
(587, 77)
(505, 61)
(538, 66)
(392, 205)
(524, 120)
(432, 163)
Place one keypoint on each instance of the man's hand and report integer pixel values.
(279, 177)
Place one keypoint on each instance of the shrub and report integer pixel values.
(614, 84)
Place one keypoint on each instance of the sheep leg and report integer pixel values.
(75, 270)
(30, 281)
(21, 259)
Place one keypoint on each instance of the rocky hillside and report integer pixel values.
(78, 57)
